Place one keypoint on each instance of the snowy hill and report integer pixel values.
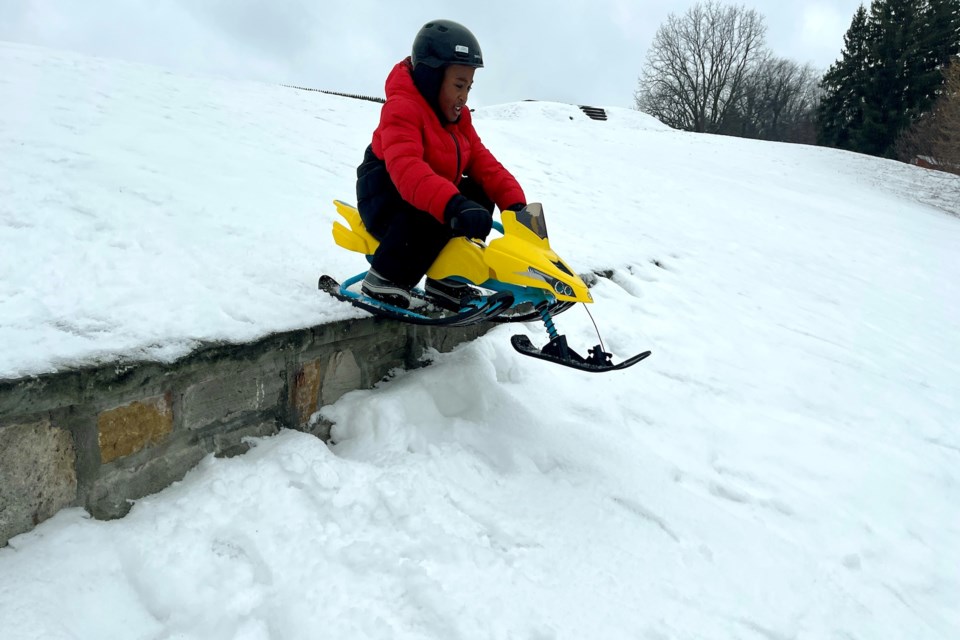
(786, 464)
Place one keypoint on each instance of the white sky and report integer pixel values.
(577, 51)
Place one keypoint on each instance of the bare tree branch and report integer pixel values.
(698, 64)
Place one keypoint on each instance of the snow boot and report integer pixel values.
(379, 288)
(449, 293)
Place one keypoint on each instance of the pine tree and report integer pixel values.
(939, 45)
(890, 72)
(841, 108)
(942, 39)
(896, 68)
(929, 41)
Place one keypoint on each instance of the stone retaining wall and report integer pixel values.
(102, 436)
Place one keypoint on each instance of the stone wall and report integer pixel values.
(102, 436)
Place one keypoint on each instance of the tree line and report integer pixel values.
(889, 93)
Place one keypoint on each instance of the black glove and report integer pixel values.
(467, 218)
(515, 207)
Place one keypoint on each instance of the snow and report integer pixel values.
(785, 465)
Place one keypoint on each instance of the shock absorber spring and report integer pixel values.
(548, 321)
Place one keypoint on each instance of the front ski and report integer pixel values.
(557, 352)
(476, 311)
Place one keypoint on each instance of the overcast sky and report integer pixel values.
(576, 51)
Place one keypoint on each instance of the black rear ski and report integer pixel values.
(558, 352)
(479, 310)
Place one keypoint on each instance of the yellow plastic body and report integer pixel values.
(521, 257)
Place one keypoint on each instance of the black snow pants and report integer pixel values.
(410, 239)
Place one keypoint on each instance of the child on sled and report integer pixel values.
(426, 177)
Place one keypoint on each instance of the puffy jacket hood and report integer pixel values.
(426, 156)
(427, 80)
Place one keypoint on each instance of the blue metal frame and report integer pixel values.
(521, 294)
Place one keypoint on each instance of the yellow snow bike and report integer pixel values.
(525, 278)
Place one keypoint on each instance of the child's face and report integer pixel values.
(457, 81)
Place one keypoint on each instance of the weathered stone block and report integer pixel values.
(37, 475)
(232, 393)
(112, 495)
(132, 427)
(306, 390)
(343, 374)
(114, 492)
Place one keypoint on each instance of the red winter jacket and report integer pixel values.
(426, 159)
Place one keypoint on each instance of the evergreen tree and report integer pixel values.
(841, 107)
(893, 61)
(943, 37)
(890, 72)
(939, 44)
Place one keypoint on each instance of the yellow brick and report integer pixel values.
(131, 427)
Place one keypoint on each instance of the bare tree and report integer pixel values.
(934, 138)
(697, 65)
(778, 102)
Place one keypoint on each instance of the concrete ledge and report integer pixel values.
(102, 436)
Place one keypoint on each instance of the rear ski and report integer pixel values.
(475, 310)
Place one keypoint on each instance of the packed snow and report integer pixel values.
(785, 465)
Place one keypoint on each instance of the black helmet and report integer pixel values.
(443, 42)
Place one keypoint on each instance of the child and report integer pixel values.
(427, 177)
